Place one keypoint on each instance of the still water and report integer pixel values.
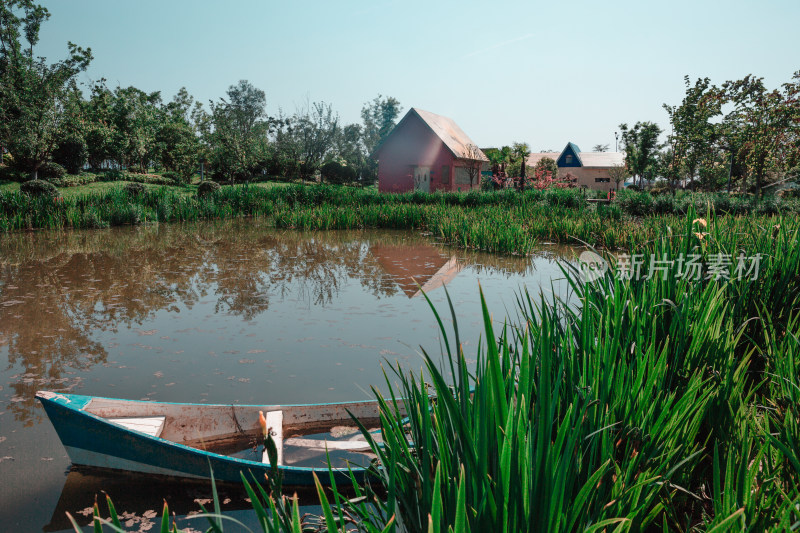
(218, 312)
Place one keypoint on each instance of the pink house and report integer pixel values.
(428, 152)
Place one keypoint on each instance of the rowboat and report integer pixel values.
(187, 440)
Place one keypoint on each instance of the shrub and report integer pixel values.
(39, 188)
(572, 198)
(664, 204)
(10, 173)
(52, 171)
(635, 203)
(71, 153)
(768, 206)
(337, 173)
(207, 188)
(134, 189)
(173, 176)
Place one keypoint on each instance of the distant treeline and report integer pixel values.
(50, 126)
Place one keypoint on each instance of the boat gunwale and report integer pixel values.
(54, 398)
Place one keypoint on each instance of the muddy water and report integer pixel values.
(220, 312)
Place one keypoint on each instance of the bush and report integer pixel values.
(635, 203)
(768, 206)
(71, 153)
(39, 188)
(664, 204)
(173, 176)
(571, 198)
(10, 173)
(207, 188)
(52, 171)
(336, 173)
(134, 189)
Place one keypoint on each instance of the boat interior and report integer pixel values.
(304, 435)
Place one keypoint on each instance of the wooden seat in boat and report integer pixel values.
(275, 427)
(343, 445)
(150, 425)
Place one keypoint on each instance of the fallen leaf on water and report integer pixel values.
(158, 374)
(202, 501)
(2, 439)
(6, 458)
(148, 332)
(226, 501)
(256, 351)
(85, 512)
(169, 384)
(246, 361)
(47, 458)
(150, 514)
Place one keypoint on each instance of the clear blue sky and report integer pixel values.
(544, 73)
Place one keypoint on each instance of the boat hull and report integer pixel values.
(93, 441)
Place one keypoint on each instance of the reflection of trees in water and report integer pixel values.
(57, 288)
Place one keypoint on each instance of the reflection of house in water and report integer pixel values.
(412, 267)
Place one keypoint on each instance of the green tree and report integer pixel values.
(316, 128)
(519, 155)
(693, 134)
(238, 132)
(33, 93)
(177, 143)
(641, 149)
(136, 118)
(547, 164)
(378, 118)
(762, 124)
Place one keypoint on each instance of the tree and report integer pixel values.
(549, 165)
(378, 118)
(33, 93)
(136, 117)
(473, 159)
(177, 144)
(692, 133)
(520, 152)
(238, 132)
(641, 148)
(316, 127)
(499, 158)
(600, 148)
(618, 174)
(762, 123)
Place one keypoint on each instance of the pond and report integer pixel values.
(218, 312)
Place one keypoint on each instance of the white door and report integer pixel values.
(422, 179)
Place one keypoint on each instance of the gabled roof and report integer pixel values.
(534, 158)
(448, 131)
(602, 159)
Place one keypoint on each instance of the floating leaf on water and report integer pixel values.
(2, 439)
(158, 374)
(149, 514)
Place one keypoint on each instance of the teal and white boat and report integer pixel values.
(184, 440)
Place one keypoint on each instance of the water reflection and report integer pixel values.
(57, 290)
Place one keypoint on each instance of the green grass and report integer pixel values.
(502, 222)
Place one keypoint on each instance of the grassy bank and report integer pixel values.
(504, 222)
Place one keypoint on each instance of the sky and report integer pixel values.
(545, 73)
